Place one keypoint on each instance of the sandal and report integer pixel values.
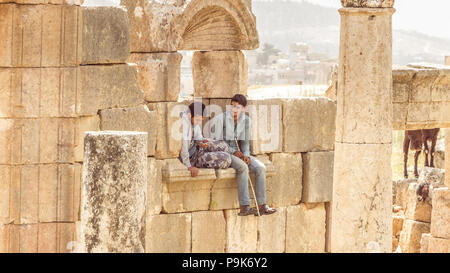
(247, 210)
(265, 210)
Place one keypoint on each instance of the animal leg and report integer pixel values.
(416, 157)
(406, 142)
(427, 151)
(433, 148)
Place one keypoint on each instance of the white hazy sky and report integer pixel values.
(429, 17)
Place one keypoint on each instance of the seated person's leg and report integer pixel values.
(259, 169)
(242, 179)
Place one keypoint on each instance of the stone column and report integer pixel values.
(447, 60)
(114, 192)
(362, 189)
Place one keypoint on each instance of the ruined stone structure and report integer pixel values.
(103, 70)
(421, 225)
(67, 69)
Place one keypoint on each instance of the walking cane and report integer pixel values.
(250, 180)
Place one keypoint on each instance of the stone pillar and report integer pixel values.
(114, 192)
(362, 189)
(447, 60)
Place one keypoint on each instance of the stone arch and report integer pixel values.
(216, 25)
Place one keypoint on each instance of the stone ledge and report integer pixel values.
(210, 190)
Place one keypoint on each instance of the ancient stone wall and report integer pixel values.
(420, 223)
(60, 64)
(67, 69)
(421, 97)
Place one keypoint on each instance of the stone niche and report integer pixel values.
(167, 26)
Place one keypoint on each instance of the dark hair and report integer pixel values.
(197, 109)
(241, 99)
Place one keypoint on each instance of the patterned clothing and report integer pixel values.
(215, 156)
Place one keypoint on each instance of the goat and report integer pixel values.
(418, 140)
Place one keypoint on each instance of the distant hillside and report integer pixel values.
(283, 22)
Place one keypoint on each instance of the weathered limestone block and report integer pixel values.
(415, 209)
(424, 242)
(62, 35)
(59, 192)
(400, 191)
(368, 3)
(5, 181)
(37, 92)
(166, 26)
(158, 74)
(438, 245)
(24, 194)
(23, 238)
(447, 155)
(286, 188)
(105, 35)
(328, 211)
(168, 128)
(439, 154)
(169, 233)
(138, 118)
(56, 2)
(317, 177)
(362, 198)
(402, 77)
(208, 232)
(107, 86)
(150, 24)
(37, 238)
(57, 140)
(421, 97)
(38, 35)
(114, 192)
(19, 141)
(397, 225)
(411, 235)
(181, 192)
(311, 236)
(272, 232)
(241, 233)
(308, 125)
(219, 74)
(65, 238)
(440, 215)
(82, 125)
(224, 194)
(434, 176)
(267, 125)
(154, 186)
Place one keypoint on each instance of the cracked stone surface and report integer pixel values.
(114, 189)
